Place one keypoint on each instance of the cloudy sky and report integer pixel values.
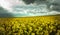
(18, 8)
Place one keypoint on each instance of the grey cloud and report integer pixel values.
(32, 1)
(3, 13)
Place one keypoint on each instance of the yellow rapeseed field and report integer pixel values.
(37, 25)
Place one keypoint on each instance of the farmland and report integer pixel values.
(36, 25)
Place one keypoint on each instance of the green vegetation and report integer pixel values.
(40, 25)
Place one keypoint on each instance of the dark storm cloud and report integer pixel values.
(3, 13)
(32, 1)
(55, 3)
(29, 1)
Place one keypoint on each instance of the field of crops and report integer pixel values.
(39, 25)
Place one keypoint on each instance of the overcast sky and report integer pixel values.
(18, 7)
